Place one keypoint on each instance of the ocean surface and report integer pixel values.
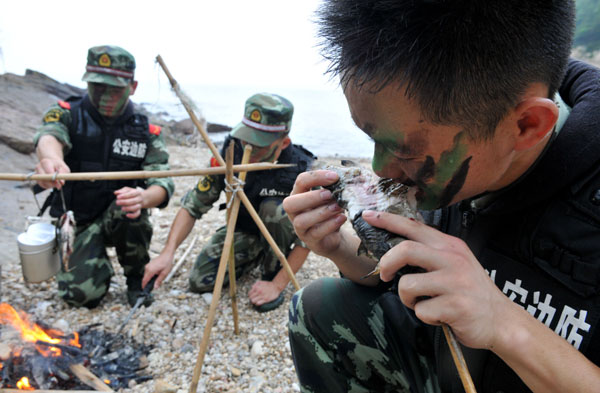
(321, 121)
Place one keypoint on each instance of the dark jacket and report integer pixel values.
(268, 184)
(539, 239)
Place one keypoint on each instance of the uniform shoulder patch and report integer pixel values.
(154, 129)
(53, 115)
(205, 183)
(64, 104)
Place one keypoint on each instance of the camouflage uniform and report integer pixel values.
(343, 341)
(267, 118)
(90, 270)
(251, 249)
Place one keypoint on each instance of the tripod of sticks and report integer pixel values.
(235, 196)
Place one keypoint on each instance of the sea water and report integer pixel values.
(321, 121)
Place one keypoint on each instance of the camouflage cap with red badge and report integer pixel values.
(110, 65)
(267, 117)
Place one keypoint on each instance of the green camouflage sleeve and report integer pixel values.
(56, 123)
(200, 199)
(157, 159)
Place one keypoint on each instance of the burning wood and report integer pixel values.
(45, 358)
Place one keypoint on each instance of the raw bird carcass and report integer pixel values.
(359, 189)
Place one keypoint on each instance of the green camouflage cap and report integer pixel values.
(110, 65)
(267, 117)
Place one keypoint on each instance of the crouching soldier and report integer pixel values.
(101, 131)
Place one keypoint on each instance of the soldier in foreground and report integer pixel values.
(477, 105)
(102, 132)
(265, 125)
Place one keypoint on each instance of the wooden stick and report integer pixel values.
(232, 278)
(223, 263)
(125, 175)
(241, 193)
(459, 360)
(181, 260)
(231, 259)
(88, 378)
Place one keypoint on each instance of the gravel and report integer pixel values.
(256, 360)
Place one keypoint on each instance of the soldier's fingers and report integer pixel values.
(296, 204)
(308, 180)
(325, 228)
(307, 219)
(129, 201)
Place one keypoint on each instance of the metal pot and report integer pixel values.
(39, 252)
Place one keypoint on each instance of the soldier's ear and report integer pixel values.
(286, 142)
(133, 85)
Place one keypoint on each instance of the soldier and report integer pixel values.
(477, 105)
(102, 132)
(265, 125)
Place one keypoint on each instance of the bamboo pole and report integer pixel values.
(126, 175)
(459, 360)
(223, 263)
(241, 194)
(232, 278)
(231, 259)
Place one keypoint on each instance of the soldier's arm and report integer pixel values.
(51, 143)
(159, 190)
(163, 263)
(194, 204)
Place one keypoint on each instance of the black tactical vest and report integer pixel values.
(98, 147)
(546, 258)
(276, 183)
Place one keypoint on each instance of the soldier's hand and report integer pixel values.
(50, 166)
(263, 292)
(315, 215)
(161, 266)
(131, 201)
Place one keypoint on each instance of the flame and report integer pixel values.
(33, 333)
(23, 384)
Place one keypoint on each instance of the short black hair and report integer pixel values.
(465, 62)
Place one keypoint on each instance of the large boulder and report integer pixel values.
(23, 101)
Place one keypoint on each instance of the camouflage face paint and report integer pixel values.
(438, 182)
(384, 154)
(109, 100)
(449, 175)
(263, 154)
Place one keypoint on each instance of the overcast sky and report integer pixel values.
(269, 43)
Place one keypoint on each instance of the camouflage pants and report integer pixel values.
(250, 250)
(90, 269)
(342, 341)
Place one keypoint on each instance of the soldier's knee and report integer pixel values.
(76, 296)
(81, 300)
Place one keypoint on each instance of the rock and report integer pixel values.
(236, 372)
(207, 297)
(186, 348)
(162, 386)
(62, 325)
(214, 127)
(257, 349)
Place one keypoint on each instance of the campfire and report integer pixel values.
(36, 356)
